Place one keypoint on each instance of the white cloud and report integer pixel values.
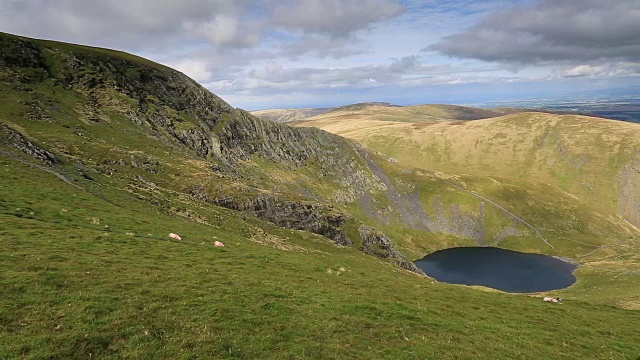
(197, 70)
(602, 71)
(135, 24)
(226, 31)
(584, 70)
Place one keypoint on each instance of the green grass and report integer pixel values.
(71, 289)
(581, 155)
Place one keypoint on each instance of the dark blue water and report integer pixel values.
(501, 269)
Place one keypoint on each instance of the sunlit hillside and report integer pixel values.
(593, 159)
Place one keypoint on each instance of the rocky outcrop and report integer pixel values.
(19, 142)
(18, 53)
(243, 135)
(375, 243)
(178, 110)
(316, 218)
(313, 217)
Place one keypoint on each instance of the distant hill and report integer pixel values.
(417, 113)
(387, 112)
(288, 115)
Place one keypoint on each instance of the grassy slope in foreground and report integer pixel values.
(85, 277)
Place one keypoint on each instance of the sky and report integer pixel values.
(260, 54)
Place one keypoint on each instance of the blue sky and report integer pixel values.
(259, 54)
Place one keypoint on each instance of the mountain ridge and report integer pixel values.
(387, 111)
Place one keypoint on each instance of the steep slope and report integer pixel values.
(119, 118)
(91, 106)
(107, 153)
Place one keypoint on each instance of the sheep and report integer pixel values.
(552, 299)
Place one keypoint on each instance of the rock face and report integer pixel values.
(317, 219)
(176, 109)
(378, 244)
(310, 217)
(19, 142)
(244, 135)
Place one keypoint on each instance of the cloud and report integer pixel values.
(197, 70)
(348, 49)
(337, 18)
(227, 31)
(144, 24)
(404, 64)
(274, 78)
(552, 31)
(584, 70)
(319, 46)
(600, 71)
(134, 24)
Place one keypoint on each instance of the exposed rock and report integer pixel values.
(22, 54)
(19, 142)
(315, 218)
(451, 219)
(374, 242)
(312, 217)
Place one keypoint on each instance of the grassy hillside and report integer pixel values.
(106, 154)
(86, 277)
(594, 159)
